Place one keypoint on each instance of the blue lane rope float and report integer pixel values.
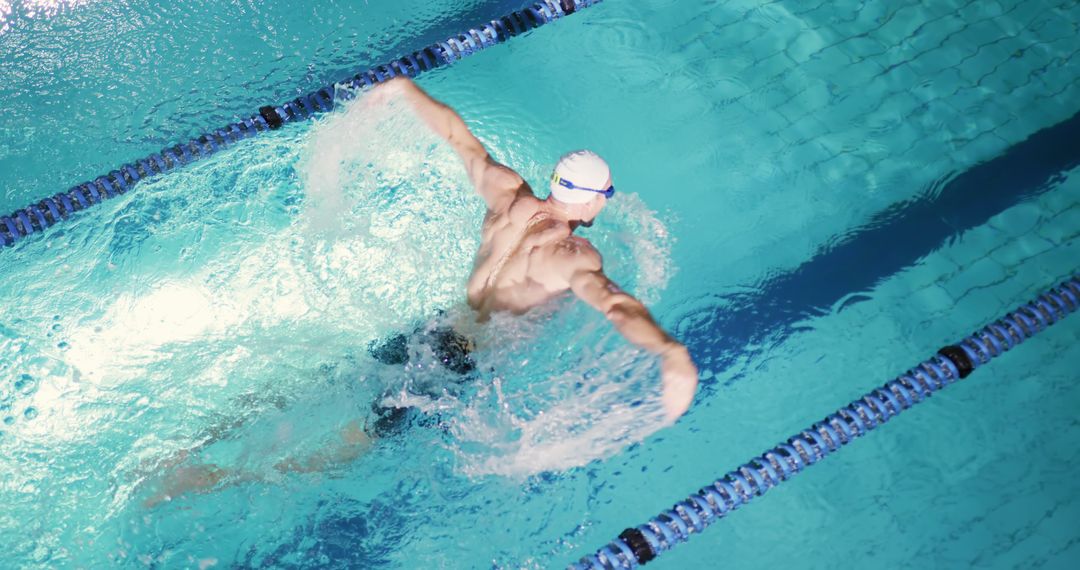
(639, 545)
(54, 209)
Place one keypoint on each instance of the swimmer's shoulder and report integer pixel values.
(503, 178)
(503, 182)
(523, 209)
(516, 212)
(576, 253)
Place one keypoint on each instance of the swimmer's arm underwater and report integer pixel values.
(633, 321)
(497, 184)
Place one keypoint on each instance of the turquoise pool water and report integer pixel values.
(784, 169)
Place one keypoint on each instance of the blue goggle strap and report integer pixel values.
(567, 184)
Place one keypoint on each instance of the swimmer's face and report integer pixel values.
(593, 207)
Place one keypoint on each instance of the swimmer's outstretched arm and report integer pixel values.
(497, 184)
(633, 321)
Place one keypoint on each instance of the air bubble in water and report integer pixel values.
(26, 384)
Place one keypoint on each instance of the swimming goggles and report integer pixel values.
(567, 184)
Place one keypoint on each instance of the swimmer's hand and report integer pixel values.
(680, 379)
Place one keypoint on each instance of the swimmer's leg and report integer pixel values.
(224, 428)
(201, 479)
(352, 443)
(184, 480)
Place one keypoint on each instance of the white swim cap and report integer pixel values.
(582, 169)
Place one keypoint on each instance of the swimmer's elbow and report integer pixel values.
(623, 309)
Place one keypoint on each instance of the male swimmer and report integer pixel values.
(528, 251)
(528, 255)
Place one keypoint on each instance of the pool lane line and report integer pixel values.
(943, 210)
(52, 210)
(639, 545)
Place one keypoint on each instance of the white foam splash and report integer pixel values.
(385, 240)
(593, 408)
(30, 9)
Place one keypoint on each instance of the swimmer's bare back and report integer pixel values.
(528, 253)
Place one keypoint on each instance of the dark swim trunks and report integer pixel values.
(450, 348)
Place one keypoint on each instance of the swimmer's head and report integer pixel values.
(581, 184)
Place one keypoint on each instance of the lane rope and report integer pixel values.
(46, 213)
(642, 544)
